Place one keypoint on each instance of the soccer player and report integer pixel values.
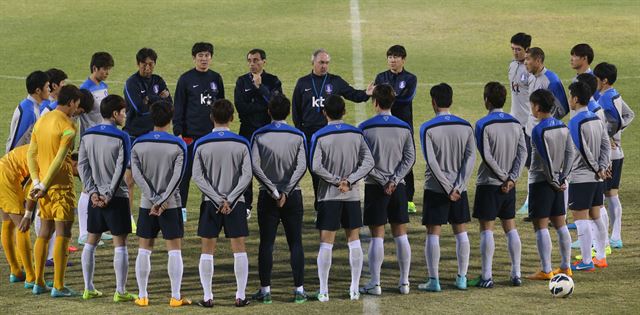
(222, 171)
(586, 180)
(392, 148)
(519, 79)
(103, 158)
(278, 153)
(449, 149)
(310, 95)
(501, 143)
(618, 116)
(57, 79)
(543, 78)
(16, 216)
(28, 111)
(581, 59)
(50, 169)
(551, 162)
(340, 157)
(404, 85)
(196, 91)
(100, 67)
(157, 165)
(592, 83)
(253, 92)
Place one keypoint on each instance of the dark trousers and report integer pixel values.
(314, 178)
(247, 133)
(269, 217)
(405, 113)
(186, 178)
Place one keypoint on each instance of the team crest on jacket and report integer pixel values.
(338, 126)
(278, 125)
(102, 127)
(156, 136)
(386, 118)
(221, 133)
(501, 115)
(447, 117)
(329, 89)
(213, 86)
(156, 88)
(402, 84)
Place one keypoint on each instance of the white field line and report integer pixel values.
(356, 48)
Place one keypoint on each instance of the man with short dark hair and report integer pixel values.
(385, 199)
(28, 111)
(501, 143)
(310, 95)
(196, 90)
(581, 58)
(222, 171)
(449, 149)
(253, 92)
(404, 86)
(278, 153)
(57, 79)
(543, 78)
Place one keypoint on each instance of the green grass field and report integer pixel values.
(463, 43)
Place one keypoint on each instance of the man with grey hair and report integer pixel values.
(311, 92)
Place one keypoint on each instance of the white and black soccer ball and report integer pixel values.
(561, 286)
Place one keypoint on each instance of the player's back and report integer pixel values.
(106, 149)
(550, 144)
(14, 166)
(52, 131)
(278, 147)
(499, 135)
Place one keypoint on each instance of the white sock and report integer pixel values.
(83, 215)
(300, 289)
(601, 238)
(487, 248)
(241, 270)
(355, 261)
(206, 275)
(175, 269)
(376, 255)
(565, 193)
(143, 268)
(615, 212)
(463, 248)
(515, 251)
(265, 290)
(324, 265)
(432, 254)
(403, 253)
(564, 240)
(88, 265)
(121, 267)
(604, 217)
(543, 241)
(584, 236)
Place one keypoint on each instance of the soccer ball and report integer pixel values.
(561, 285)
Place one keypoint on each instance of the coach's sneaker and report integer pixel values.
(516, 281)
(404, 288)
(524, 209)
(81, 241)
(575, 245)
(64, 292)
(241, 302)
(124, 297)
(581, 266)
(432, 285)
(264, 297)
(90, 294)
(36, 290)
(571, 226)
(208, 303)
(371, 289)
(540, 275)
(461, 282)
(607, 249)
(144, 301)
(615, 244)
(72, 249)
(567, 271)
(323, 297)
(49, 263)
(15, 279)
(411, 207)
(300, 297)
(248, 213)
(106, 236)
(177, 303)
(600, 263)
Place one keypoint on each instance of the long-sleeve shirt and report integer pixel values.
(618, 116)
(405, 85)
(501, 143)
(392, 148)
(449, 148)
(309, 95)
(140, 93)
(551, 153)
(251, 101)
(595, 108)
(592, 144)
(548, 80)
(14, 167)
(519, 79)
(279, 158)
(99, 91)
(103, 158)
(158, 165)
(195, 93)
(22, 122)
(339, 151)
(222, 166)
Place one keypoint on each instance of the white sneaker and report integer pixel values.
(323, 297)
(248, 213)
(404, 288)
(354, 295)
(372, 289)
